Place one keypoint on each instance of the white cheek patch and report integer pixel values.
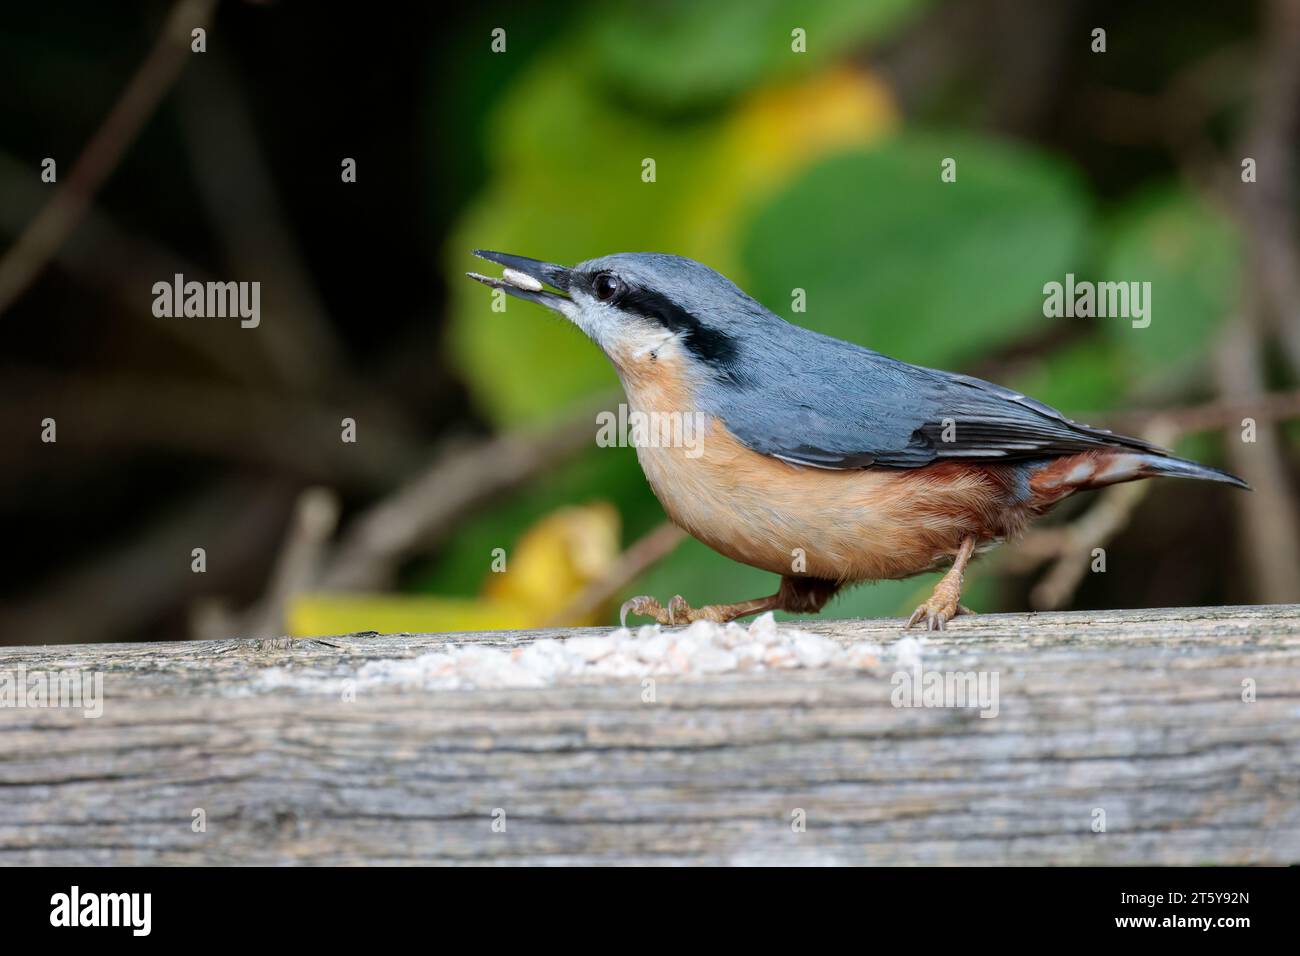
(644, 341)
(621, 336)
(607, 327)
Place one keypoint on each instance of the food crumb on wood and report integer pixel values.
(703, 648)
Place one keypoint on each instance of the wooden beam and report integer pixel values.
(1135, 714)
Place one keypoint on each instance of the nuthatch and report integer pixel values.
(823, 461)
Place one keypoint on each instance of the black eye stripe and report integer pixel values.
(710, 345)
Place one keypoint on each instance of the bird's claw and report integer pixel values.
(677, 611)
(941, 608)
(644, 606)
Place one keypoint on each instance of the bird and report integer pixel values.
(820, 460)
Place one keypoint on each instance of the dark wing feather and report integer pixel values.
(841, 406)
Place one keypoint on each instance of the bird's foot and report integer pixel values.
(677, 611)
(944, 604)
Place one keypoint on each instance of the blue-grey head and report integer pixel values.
(643, 307)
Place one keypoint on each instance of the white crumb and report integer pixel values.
(907, 652)
(704, 648)
(521, 280)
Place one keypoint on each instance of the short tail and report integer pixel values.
(1093, 469)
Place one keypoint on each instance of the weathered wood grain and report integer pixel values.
(1139, 714)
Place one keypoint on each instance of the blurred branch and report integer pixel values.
(236, 185)
(1268, 206)
(233, 424)
(1073, 545)
(417, 514)
(1018, 81)
(315, 516)
(1270, 551)
(125, 590)
(1266, 209)
(121, 265)
(1069, 547)
(1177, 116)
(60, 216)
(1223, 413)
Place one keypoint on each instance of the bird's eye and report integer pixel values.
(605, 285)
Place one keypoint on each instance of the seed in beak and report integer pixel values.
(521, 280)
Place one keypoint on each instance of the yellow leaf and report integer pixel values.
(780, 129)
(546, 569)
(346, 613)
(557, 557)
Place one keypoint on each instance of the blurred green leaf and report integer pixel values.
(705, 53)
(1085, 376)
(926, 271)
(1191, 255)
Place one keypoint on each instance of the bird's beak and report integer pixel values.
(523, 278)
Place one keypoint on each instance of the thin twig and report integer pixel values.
(1221, 413)
(1269, 517)
(1069, 547)
(315, 516)
(1094, 529)
(292, 436)
(56, 221)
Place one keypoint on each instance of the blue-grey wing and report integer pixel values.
(835, 405)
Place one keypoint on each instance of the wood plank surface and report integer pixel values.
(1135, 714)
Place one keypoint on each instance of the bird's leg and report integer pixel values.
(944, 603)
(797, 595)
